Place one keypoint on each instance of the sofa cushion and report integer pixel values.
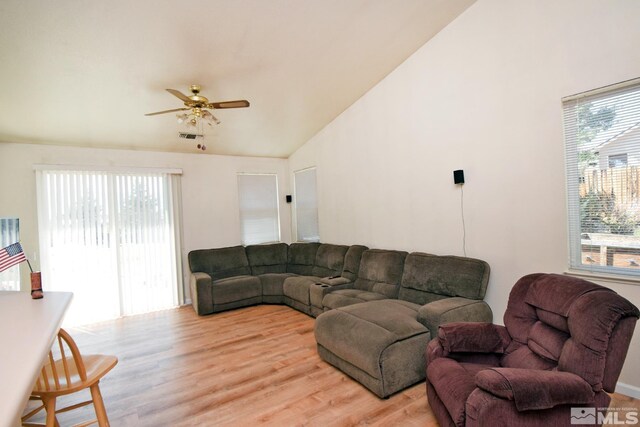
(267, 258)
(272, 282)
(345, 297)
(235, 289)
(220, 263)
(352, 261)
(427, 278)
(297, 287)
(329, 260)
(380, 272)
(301, 258)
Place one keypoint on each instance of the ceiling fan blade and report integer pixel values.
(167, 111)
(179, 94)
(242, 103)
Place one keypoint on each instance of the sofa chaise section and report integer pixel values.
(380, 342)
(379, 347)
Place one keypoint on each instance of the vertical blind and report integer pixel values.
(111, 239)
(258, 203)
(306, 204)
(9, 234)
(602, 136)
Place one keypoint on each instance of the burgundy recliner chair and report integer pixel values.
(563, 346)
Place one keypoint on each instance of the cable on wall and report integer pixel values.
(458, 179)
(464, 228)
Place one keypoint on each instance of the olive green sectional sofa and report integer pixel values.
(238, 276)
(376, 309)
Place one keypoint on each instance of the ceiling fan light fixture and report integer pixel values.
(197, 108)
(210, 118)
(182, 118)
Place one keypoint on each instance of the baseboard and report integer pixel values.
(628, 390)
(187, 302)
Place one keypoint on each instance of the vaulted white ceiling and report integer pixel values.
(85, 72)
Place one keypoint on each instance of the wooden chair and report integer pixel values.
(69, 374)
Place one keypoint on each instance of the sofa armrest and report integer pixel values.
(319, 290)
(334, 281)
(469, 337)
(201, 293)
(533, 389)
(456, 309)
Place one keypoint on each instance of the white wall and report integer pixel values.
(484, 95)
(209, 190)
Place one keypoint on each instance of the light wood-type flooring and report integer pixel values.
(251, 366)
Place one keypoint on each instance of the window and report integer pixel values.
(602, 136)
(111, 239)
(9, 234)
(258, 202)
(617, 160)
(306, 205)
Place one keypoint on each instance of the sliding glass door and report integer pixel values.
(111, 239)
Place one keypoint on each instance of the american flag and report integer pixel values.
(10, 256)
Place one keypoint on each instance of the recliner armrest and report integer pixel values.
(201, 293)
(456, 309)
(533, 389)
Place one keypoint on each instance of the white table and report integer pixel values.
(28, 328)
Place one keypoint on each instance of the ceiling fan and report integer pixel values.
(198, 107)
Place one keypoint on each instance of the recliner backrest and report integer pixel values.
(220, 263)
(428, 278)
(352, 261)
(302, 257)
(381, 271)
(564, 323)
(329, 260)
(270, 258)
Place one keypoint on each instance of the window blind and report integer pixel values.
(306, 205)
(602, 137)
(111, 239)
(258, 204)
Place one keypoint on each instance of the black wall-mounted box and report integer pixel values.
(458, 176)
